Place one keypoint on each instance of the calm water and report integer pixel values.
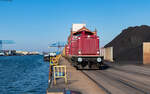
(23, 75)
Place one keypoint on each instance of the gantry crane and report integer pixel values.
(2, 42)
(58, 45)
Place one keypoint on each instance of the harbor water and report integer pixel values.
(23, 75)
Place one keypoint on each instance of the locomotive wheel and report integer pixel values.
(101, 66)
(77, 67)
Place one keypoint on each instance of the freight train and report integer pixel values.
(82, 48)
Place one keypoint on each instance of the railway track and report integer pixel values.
(113, 83)
(134, 69)
(103, 88)
(132, 72)
(134, 85)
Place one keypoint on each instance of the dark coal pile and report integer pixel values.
(127, 45)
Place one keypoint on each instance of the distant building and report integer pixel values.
(33, 53)
(21, 52)
(2, 54)
(26, 53)
(8, 52)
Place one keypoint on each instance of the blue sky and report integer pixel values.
(33, 24)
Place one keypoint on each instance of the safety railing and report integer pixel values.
(59, 72)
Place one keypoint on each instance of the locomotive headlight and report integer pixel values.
(99, 59)
(79, 52)
(79, 59)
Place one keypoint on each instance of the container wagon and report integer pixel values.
(82, 48)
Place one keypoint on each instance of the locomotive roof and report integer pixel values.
(83, 29)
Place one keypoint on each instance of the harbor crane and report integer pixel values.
(58, 45)
(2, 42)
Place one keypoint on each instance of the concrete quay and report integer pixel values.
(78, 83)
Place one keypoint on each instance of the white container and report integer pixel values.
(76, 27)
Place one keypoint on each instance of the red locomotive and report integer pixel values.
(83, 48)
